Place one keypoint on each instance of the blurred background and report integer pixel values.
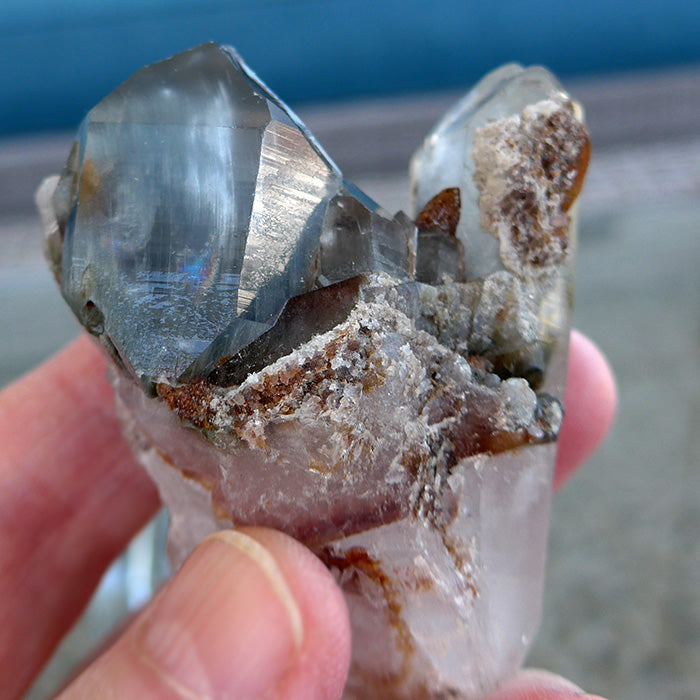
(622, 605)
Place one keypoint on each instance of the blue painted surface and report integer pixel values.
(60, 58)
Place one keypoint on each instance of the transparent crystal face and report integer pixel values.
(359, 237)
(445, 158)
(197, 205)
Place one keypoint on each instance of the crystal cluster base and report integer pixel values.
(441, 561)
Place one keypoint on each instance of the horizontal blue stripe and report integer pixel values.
(60, 58)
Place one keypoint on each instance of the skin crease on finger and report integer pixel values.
(64, 466)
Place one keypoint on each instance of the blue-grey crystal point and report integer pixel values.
(200, 201)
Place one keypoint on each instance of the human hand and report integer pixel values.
(251, 613)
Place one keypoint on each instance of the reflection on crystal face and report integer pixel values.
(386, 391)
(196, 209)
(166, 186)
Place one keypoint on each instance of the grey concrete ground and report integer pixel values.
(622, 605)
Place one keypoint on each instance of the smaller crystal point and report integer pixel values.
(440, 255)
(359, 237)
(447, 157)
(192, 209)
(517, 150)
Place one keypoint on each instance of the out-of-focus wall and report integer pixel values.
(60, 58)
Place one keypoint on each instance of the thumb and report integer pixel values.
(251, 614)
(534, 684)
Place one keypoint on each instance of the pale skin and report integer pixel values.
(250, 615)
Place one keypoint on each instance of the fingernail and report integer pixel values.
(226, 626)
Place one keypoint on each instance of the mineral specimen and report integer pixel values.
(287, 354)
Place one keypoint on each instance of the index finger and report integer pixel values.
(71, 497)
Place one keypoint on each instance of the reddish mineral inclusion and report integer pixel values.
(441, 212)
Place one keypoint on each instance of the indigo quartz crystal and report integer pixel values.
(193, 207)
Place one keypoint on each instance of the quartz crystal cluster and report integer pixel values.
(386, 389)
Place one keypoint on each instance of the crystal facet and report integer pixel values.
(193, 208)
(386, 391)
